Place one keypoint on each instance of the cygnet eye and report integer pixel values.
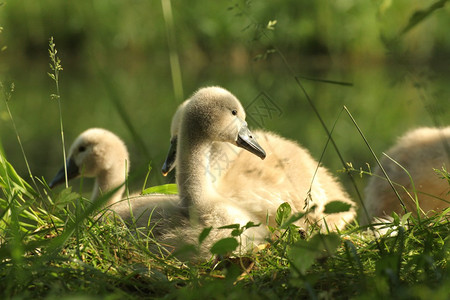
(81, 148)
(234, 112)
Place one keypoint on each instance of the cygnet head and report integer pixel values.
(214, 114)
(97, 153)
(213, 102)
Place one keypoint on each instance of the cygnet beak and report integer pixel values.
(247, 141)
(72, 172)
(169, 163)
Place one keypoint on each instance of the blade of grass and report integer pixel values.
(70, 228)
(326, 80)
(421, 15)
(173, 53)
(416, 200)
(376, 159)
(56, 67)
(7, 97)
(324, 126)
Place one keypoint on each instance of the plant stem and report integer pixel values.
(55, 65)
(173, 54)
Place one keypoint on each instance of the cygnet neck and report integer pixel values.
(193, 171)
(108, 180)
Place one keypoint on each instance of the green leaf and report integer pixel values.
(224, 246)
(185, 250)
(170, 188)
(283, 213)
(304, 253)
(421, 15)
(237, 229)
(237, 232)
(204, 234)
(65, 197)
(251, 224)
(231, 226)
(292, 219)
(396, 218)
(404, 219)
(335, 207)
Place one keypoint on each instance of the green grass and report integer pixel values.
(64, 250)
(54, 245)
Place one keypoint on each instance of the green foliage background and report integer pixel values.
(115, 57)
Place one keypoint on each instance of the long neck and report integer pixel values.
(107, 181)
(193, 172)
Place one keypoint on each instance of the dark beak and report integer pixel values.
(72, 172)
(247, 141)
(169, 163)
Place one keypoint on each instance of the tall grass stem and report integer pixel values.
(7, 98)
(376, 159)
(173, 53)
(55, 66)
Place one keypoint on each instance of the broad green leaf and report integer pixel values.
(231, 226)
(404, 219)
(292, 219)
(185, 250)
(237, 232)
(251, 224)
(396, 218)
(65, 197)
(283, 213)
(224, 246)
(170, 188)
(304, 253)
(204, 234)
(335, 207)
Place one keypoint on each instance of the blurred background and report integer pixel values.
(128, 64)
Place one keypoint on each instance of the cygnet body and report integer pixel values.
(101, 154)
(213, 115)
(288, 174)
(419, 151)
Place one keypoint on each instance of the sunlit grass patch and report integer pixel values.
(103, 257)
